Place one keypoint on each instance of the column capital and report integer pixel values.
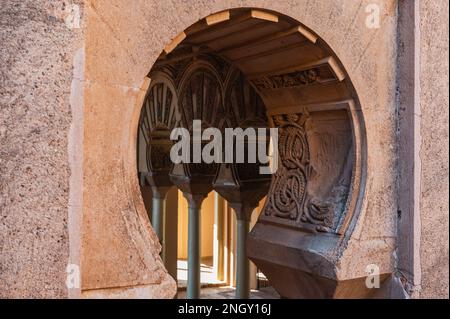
(195, 200)
(243, 210)
(160, 191)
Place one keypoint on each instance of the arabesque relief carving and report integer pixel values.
(288, 197)
(317, 75)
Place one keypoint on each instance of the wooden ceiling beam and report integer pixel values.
(261, 40)
(180, 57)
(256, 27)
(270, 52)
(334, 105)
(340, 75)
(202, 27)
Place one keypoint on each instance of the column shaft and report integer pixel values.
(242, 262)
(193, 284)
(218, 249)
(158, 217)
(159, 214)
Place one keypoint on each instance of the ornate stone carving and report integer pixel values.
(316, 75)
(200, 98)
(159, 115)
(241, 184)
(244, 107)
(222, 67)
(288, 196)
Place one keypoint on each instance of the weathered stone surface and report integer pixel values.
(434, 82)
(36, 72)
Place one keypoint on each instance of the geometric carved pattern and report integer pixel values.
(158, 117)
(201, 99)
(241, 184)
(243, 104)
(245, 109)
(202, 95)
(317, 75)
(288, 196)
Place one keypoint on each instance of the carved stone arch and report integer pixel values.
(159, 115)
(201, 94)
(245, 109)
(316, 194)
(242, 103)
(168, 113)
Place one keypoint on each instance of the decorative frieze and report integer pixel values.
(316, 75)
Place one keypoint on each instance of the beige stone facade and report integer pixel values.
(71, 98)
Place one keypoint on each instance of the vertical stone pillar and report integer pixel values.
(193, 282)
(171, 233)
(409, 137)
(159, 214)
(243, 216)
(218, 256)
(195, 188)
(243, 196)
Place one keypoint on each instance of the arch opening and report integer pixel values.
(257, 68)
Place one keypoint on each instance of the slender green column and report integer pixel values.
(171, 233)
(159, 214)
(218, 249)
(193, 284)
(193, 280)
(158, 217)
(242, 262)
(243, 216)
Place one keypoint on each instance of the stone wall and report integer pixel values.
(111, 108)
(45, 148)
(434, 101)
(36, 54)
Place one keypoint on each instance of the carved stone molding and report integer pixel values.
(317, 75)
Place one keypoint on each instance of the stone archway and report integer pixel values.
(316, 193)
(114, 231)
